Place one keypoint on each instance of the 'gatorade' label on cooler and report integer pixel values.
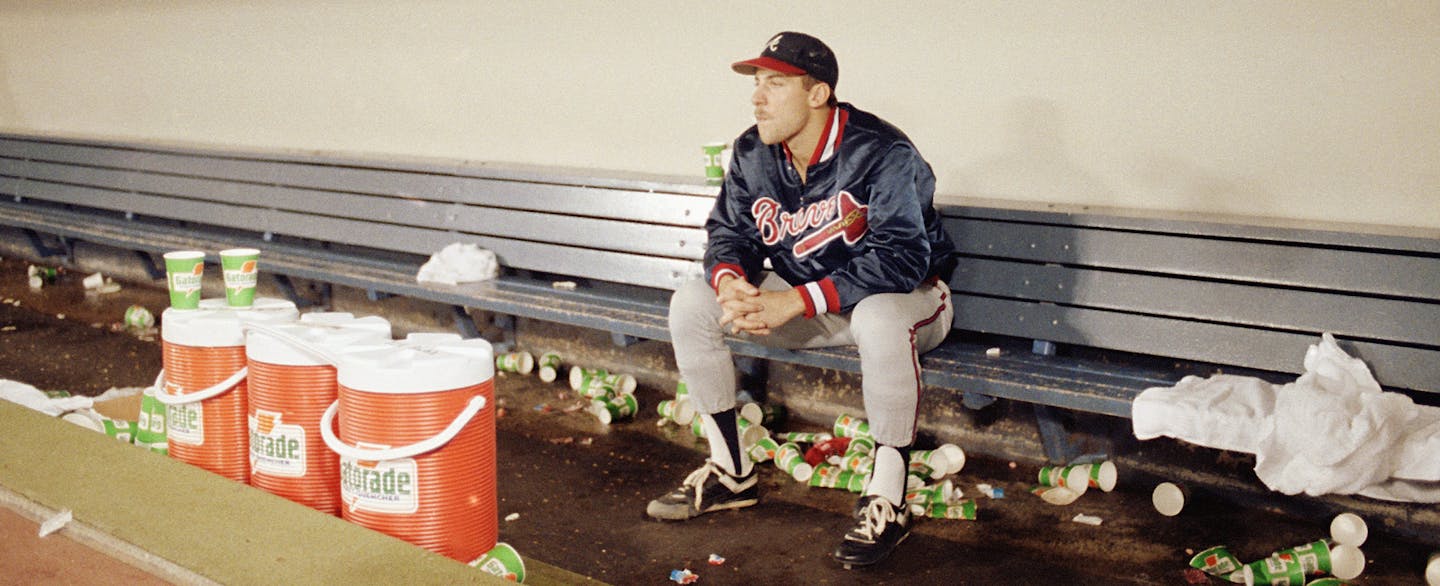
(186, 423)
(384, 486)
(276, 448)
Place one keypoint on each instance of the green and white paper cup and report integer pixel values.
(850, 426)
(677, 410)
(136, 316)
(714, 162)
(1294, 564)
(1216, 561)
(963, 510)
(240, 266)
(549, 365)
(830, 476)
(150, 425)
(764, 450)
(184, 274)
(792, 460)
(1076, 478)
(858, 463)
(521, 362)
(593, 382)
(936, 460)
(750, 433)
(121, 429)
(752, 412)
(502, 561)
(804, 437)
(614, 408)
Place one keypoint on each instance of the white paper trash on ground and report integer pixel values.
(33, 398)
(56, 522)
(459, 263)
(1332, 430)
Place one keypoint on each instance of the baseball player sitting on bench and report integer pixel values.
(840, 203)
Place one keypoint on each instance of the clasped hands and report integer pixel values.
(752, 311)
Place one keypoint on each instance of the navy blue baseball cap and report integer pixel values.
(794, 53)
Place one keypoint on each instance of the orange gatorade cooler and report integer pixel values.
(204, 388)
(291, 382)
(416, 439)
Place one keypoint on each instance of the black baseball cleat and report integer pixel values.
(879, 527)
(706, 490)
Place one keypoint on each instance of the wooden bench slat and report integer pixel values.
(1400, 239)
(632, 237)
(1323, 268)
(630, 205)
(1392, 365)
(1243, 304)
(649, 271)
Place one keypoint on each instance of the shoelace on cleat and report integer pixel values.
(696, 480)
(872, 523)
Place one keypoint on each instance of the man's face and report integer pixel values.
(781, 105)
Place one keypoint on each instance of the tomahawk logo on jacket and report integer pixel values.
(839, 216)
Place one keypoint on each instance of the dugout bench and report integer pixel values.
(1087, 306)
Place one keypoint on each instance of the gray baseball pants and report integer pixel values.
(890, 330)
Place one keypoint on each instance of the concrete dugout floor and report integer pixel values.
(579, 489)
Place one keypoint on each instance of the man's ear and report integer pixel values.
(819, 94)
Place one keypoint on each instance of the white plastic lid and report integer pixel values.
(328, 331)
(422, 363)
(216, 324)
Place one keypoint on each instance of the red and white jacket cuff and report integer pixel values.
(819, 297)
(721, 270)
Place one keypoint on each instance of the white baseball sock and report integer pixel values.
(720, 449)
(888, 478)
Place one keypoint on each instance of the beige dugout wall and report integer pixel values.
(1304, 110)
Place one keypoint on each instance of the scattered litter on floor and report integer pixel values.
(993, 352)
(1084, 519)
(512, 517)
(56, 522)
(683, 576)
(716, 560)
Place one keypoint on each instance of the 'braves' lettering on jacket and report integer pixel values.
(863, 222)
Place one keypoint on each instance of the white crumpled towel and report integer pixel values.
(36, 399)
(459, 263)
(1333, 430)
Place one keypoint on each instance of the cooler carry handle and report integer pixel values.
(164, 397)
(327, 432)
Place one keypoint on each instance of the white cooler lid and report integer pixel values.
(216, 324)
(329, 330)
(421, 363)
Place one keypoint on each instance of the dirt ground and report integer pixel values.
(572, 491)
